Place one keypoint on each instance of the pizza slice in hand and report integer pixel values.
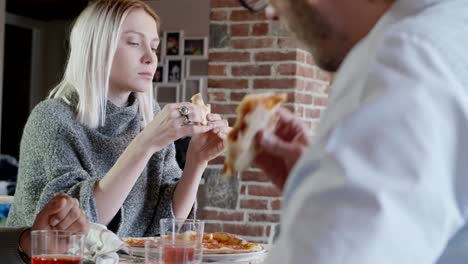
(256, 112)
(197, 99)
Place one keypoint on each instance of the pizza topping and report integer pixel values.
(255, 113)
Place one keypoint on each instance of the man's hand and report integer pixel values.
(281, 148)
(61, 213)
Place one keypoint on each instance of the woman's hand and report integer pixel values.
(170, 125)
(207, 146)
(61, 213)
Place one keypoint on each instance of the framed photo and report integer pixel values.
(196, 47)
(165, 93)
(196, 68)
(159, 75)
(191, 86)
(175, 69)
(173, 43)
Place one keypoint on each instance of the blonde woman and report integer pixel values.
(99, 137)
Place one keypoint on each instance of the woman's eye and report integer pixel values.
(154, 50)
(133, 43)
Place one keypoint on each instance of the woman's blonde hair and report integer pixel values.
(93, 42)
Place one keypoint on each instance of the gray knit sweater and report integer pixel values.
(58, 154)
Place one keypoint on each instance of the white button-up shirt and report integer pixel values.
(386, 181)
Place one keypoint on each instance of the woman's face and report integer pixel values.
(135, 59)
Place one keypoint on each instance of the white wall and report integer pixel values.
(193, 16)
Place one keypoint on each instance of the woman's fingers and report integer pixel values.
(61, 215)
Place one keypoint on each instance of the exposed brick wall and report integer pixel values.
(250, 54)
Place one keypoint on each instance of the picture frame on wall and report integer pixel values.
(196, 47)
(196, 67)
(159, 75)
(173, 43)
(175, 69)
(192, 86)
(166, 93)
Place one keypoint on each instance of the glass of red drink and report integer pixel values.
(181, 241)
(56, 247)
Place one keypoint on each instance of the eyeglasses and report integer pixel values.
(254, 5)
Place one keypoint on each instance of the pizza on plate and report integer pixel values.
(256, 112)
(213, 243)
(227, 243)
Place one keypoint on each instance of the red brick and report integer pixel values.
(216, 96)
(223, 216)
(301, 56)
(245, 15)
(320, 101)
(260, 29)
(310, 60)
(275, 56)
(274, 83)
(237, 97)
(254, 204)
(260, 217)
(304, 98)
(312, 113)
(287, 69)
(228, 83)
(285, 43)
(267, 191)
(251, 43)
(243, 230)
(216, 70)
(218, 15)
(255, 70)
(254, 176)
(224, 3)
(211, 227)
(229, 57)
(217, 160)
(307, 72)
(276, 205)
(239, 30)
(223, 109)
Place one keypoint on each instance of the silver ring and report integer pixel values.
(187, 120)
(184, 111)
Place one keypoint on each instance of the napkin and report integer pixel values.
(102, 245)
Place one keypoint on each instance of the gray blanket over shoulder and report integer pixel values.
(58, 154)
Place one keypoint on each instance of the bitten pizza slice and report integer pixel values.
(256, 112)
(197, 99)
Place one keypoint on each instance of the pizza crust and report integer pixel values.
(255, 113)
(197, 99)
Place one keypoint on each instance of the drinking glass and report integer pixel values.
(56, 247)
(181, 241)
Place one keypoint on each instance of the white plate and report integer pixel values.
(218, 258)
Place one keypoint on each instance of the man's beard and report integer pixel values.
(312, 28)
